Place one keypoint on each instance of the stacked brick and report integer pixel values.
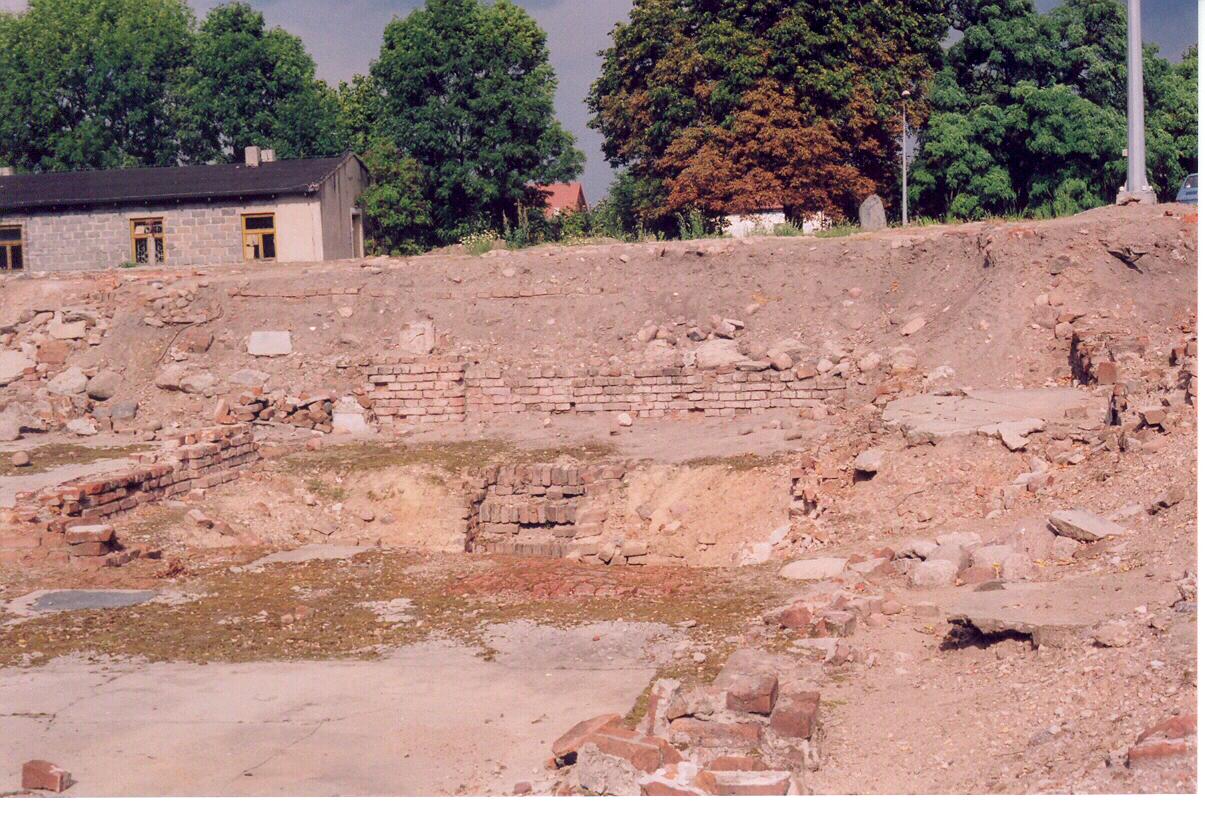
(553, 498)
(1092, 360)
(422, 391)
(749, 733)
(309, 411)
(646, 392)
(190, 461)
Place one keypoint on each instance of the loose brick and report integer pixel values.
(43, 775)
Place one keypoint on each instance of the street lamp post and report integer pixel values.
(904, 156)
(1136, 189)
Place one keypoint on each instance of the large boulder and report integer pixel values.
(104, 385)
(718, 354)
(1082, 525)
(872, 214)
(13, 365)
(933, 574)
(816, 568)
(68, 383)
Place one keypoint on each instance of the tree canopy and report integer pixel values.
(727, 105)
(466, 90)
(1029, 112)
(93, 84)
(254, 85)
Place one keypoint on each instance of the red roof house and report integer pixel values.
(563, 198)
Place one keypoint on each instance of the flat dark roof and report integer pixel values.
(164, 185)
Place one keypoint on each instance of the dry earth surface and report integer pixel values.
(944, 540)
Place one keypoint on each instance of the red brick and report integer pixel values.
(739, 782)
(752, 693)
(647, 753)
(728, 763)
(700, 733)
(42, 775)
(89, 549)
(565, 748)
(1177, 727)
(797, 617)
(795, 716)
(665, 787)
(93, 533)
(1151, 752)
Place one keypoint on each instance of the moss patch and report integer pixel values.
(313, 611)
(50, 456)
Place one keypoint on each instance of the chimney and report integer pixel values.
(266, 155)
(251, 156)
(7, 171)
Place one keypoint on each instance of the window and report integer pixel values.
(146, 235)
(12, 252)
(259, 236)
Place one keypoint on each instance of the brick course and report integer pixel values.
(421, 391)
(202, 459)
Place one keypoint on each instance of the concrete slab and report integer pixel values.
(50, 601)
(1052, 613)
(944, 416)
(432, 719)
(304, 554)
(13, 484)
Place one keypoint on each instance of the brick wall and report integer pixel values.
(449, 390)
(564, 501)
(202, 459)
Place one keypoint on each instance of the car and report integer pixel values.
(1188, 191)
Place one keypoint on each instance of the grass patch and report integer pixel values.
(50, 456)
(838, 231)
(456, 457)
(237, 617)
(742, 463)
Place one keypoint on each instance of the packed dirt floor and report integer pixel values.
(902, 512)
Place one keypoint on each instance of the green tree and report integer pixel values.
(359, 112)
(94, 83)
(254, 85)
(1029, 112)
(467, 92)
(396, 207)
(722, 102)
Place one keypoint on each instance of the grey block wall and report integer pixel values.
(100, 238)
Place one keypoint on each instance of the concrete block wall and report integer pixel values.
(100, 238)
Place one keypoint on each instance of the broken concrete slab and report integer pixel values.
(945, 416)
(1081, 525)
(49, 601)
(816, 568)
(300, 728)
(13, 365)
(1052, 614)
(304, 554)
(270, 343)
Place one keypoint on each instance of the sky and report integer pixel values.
(345, 36)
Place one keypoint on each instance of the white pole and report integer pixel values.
(1136, 188)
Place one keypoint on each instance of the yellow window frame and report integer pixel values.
(253, 238)
(8, 244)
(150, 238)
